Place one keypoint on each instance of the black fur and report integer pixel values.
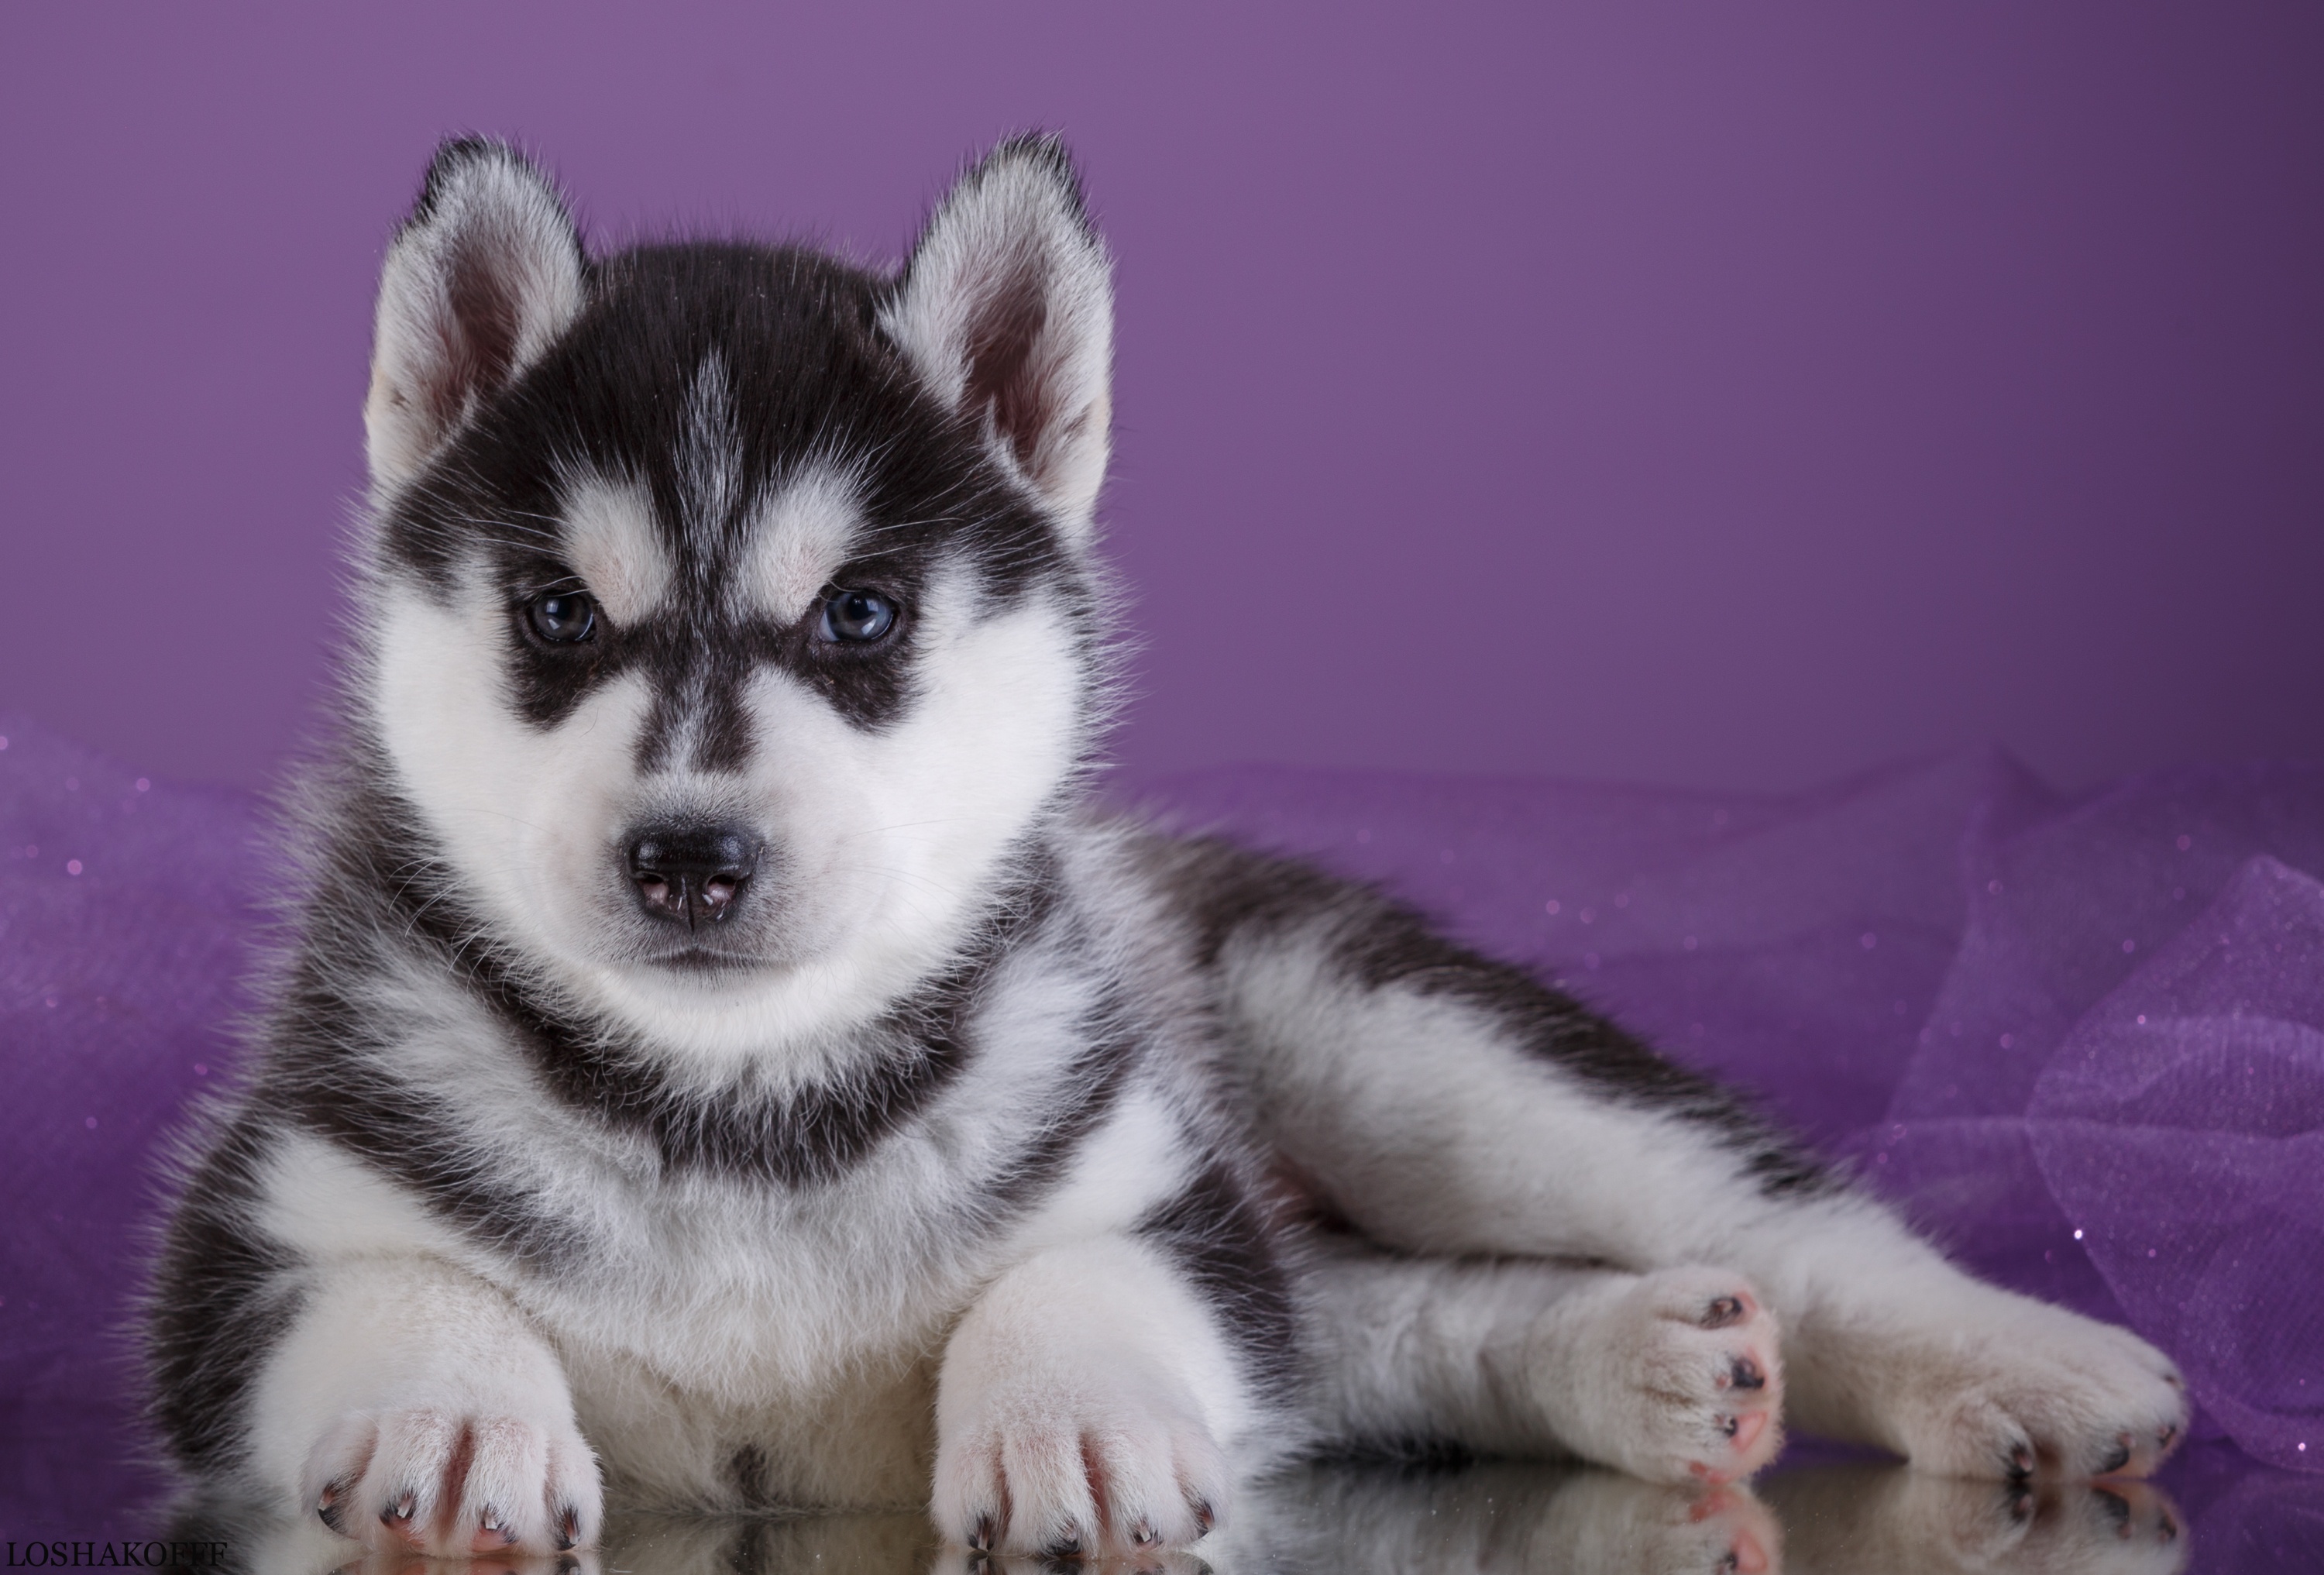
(1230, 1250)
(226, 1303)
(748, 1475)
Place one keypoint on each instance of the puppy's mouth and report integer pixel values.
(705, 959)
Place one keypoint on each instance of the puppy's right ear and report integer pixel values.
(482, 277)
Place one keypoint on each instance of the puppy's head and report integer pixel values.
(730, 614)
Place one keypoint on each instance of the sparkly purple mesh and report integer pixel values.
(117, 986)
(2082, 1040)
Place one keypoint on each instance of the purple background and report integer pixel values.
(1700, 394)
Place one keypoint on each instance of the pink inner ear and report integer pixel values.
(480, 339)
(1003, 374)
(487, 268)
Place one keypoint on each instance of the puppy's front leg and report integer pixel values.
(414, 1408)
(1086, 1404)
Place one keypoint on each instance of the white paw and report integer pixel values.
(1032, 1471)
(2018, 1387)
(1675, 1376)
(437, 1482)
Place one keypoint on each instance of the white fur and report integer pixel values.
(801, 537)
(892, 835)
(364, 1402)
(608, 533)
(1082, 1405)
(1528, 1358)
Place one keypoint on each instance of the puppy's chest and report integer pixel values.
(737, 1297)
(734, 1362)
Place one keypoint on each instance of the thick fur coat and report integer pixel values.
(720, 1058)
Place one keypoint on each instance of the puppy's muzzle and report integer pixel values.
(692, 875)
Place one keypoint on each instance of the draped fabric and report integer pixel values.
(2080, 1039)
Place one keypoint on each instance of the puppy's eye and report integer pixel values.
(562, 617)
(857, 616)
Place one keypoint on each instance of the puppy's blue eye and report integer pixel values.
(562, 617)
(856, 616)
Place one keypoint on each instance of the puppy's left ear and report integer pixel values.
(483, 278)
(1006, 310)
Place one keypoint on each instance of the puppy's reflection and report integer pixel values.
(1870, 1517)
(1494, 1516)
(1838, 1520)
(1488, 1518)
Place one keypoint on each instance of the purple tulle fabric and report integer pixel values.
(2081, 1040)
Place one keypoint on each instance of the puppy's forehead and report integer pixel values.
(797, 533)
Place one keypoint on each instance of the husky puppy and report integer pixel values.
(721, 1057)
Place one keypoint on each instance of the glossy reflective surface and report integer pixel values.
(2215, 1513)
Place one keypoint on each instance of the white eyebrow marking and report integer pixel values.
(800, 537)
(615, 546)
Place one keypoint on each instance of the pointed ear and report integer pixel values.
(482, 277)
(1006, 310)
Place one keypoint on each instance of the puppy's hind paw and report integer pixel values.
(2036, 1391)
(1675, 1377)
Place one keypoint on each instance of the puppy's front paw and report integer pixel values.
(2017, 1388)
(1675, 1377)
(439, 1482)
(1037, 1471)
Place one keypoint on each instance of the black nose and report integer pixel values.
(692, 875)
